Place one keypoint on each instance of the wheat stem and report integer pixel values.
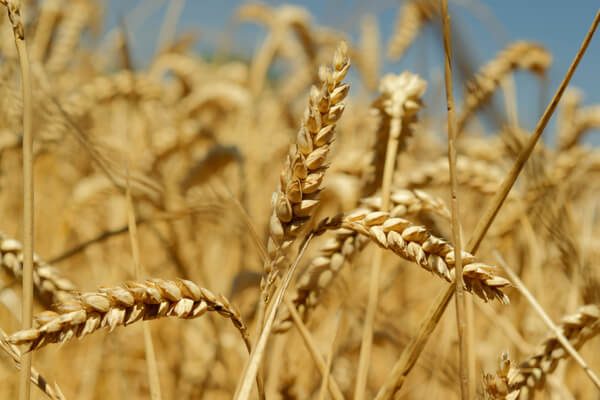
(328, 380)
(14, 15)
(250, 371)
(461, 323)
(401, 100)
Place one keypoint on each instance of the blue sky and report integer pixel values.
(486, 27)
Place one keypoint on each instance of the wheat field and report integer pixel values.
(290, 225)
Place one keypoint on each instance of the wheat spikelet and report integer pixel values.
(347, 243)
(50, 285)
(413, 15)
(519, 55)
(124, 305)
(578, 328)
(298, 192)
(499, 386)
(51, 391)
(415, 244)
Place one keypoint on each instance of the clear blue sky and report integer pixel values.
(486, 27)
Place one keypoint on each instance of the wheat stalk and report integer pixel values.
(124, 305)
(401, 100)
(14, 15)
(297, 195)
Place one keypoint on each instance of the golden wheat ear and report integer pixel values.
(124, 305)
(297, 196)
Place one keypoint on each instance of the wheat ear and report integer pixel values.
(411, 18)
(584, 119)
(415, 243)
(124, 305)
(50, 286)
(48, 17)
(480, 176)
(511, 383)
(51, 391)
(498, 386)
(345, 244)
(578, 328)
(76, 16)
(396, 108)
(519, 55)
(297, 195)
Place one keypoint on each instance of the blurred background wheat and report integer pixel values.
(181, 161)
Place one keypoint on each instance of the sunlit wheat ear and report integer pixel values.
(396, 106)
(499, 385)
(512, 382)
(297, 196)
(49, 284)
(411, 19)
(415, 243)
(480, 176)
(574, 121)
(578, 328)
(369, 60)
(75, 17)
(519, 55)
(346, 244)
(279, 21)
(122, 306)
